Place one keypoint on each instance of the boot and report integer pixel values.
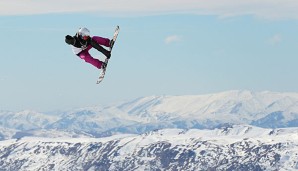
(111, 44)
(103, 65)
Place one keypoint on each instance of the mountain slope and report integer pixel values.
(262, 109)
(245, 104)
(228, 148)
(212, 110)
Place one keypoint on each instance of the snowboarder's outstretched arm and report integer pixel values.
(72, 41)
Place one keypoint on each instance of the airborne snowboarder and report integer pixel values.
(82, 42)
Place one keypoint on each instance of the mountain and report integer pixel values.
(263, 109)
(25, 120)
(246, 105)
(231, 148)
(221, 131)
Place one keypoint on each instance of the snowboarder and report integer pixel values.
(82, 42)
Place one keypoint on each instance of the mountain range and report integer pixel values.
(227, 131)
(231, 148)
(262, 109)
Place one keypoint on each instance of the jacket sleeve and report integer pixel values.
(96, 45)
(99, 48)
(70, 40)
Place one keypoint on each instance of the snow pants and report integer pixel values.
(85, 55)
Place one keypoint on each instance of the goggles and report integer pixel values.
(84, 37)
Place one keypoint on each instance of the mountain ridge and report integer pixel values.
(238, 147)
(264, 109)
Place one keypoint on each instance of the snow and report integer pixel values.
(58, 142)
(52, 150)
(69, 140)
(264, 109)
(203, 106)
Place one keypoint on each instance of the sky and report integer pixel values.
(165, 47)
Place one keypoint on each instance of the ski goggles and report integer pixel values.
(82, 37)
(85, 37)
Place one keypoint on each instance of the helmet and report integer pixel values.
(84, 33)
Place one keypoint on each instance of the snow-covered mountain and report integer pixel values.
(219, 131)
(25, 120)
(229, 148)
(262, 109)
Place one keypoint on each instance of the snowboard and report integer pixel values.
(103, 71)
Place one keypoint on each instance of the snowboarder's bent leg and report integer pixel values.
(102, 41)
(89, 59)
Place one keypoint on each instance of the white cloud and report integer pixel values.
(270, 9)
(171, 39)
(276, 39)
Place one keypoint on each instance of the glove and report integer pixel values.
(69, 40)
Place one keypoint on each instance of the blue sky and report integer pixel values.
(164, 47)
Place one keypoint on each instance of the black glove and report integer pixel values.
(69, 40)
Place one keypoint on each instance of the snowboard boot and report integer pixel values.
(107, 53)
(103, 65)
(111, 44)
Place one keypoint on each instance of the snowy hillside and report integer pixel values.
(25, 120)
(262, 109)
(246, 105)
(228, 148)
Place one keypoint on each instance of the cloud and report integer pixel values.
(276, 39)
(269, 9)
(171, 39)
